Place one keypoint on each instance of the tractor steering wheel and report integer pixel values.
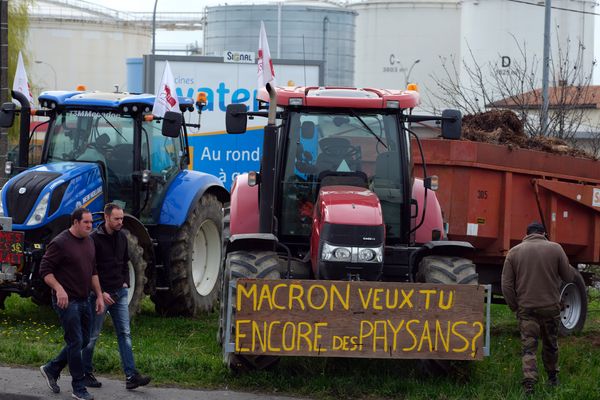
(339, 148)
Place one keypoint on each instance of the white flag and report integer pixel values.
(166, 99)
(21, 83)
(266, 73)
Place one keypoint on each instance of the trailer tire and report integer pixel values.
(573, 298)
(447, 271)
(137, 273)
(245, 264)
(195, 268)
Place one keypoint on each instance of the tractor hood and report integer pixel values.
(349, 205)
(348, 234)
(43, 193)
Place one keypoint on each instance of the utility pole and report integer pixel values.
(546, 68)
(154, 28)
(4, 94)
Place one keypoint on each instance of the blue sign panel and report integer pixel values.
(226, 156)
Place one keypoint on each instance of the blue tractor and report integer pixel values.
(107, 147)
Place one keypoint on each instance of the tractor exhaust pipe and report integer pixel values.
(24, 126)
(267, 173)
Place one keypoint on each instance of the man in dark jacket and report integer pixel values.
(69, 268)
(531, 280)
(113, 270)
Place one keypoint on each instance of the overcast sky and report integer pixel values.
(164, 5)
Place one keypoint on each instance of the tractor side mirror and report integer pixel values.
(236, 118)
(7, 115)
(451, 124)
(171, 124)
(431, 183)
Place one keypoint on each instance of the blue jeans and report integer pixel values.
(75, 321)
(119, 313)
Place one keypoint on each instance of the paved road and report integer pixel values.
(18, 383)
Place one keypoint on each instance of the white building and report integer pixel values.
(78, 43)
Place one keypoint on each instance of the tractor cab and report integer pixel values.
(358, 149)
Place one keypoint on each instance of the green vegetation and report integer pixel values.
(18, 30)
(184, 352)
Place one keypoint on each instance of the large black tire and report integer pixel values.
(195, 263)
(245, 264)
(226, 223)
(137, 273)
(573, 297)
(449, 271)
(42, 295)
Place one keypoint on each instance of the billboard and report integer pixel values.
(225, 82)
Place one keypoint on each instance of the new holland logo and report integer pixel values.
(22, 190)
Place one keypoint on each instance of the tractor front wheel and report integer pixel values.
(195, 268)
(137, 273)
(244, 264)
(446, 271)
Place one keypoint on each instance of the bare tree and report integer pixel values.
(517, 87)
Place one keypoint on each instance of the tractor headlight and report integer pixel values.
(370, 255)
(341, 253)
(352, 254)
(336, 253)
(40, 211)
(366, 255)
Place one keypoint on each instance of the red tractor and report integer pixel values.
(336, 198)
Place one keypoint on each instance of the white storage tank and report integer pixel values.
(401, 41)
(398, 41)
(80, 43)
(310, 30)
(496, 31)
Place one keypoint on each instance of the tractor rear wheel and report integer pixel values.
(195, 263)
(244, 264)
(137, 273)
(448, 271)
(573, 298)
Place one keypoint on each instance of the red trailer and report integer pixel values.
(489, 194)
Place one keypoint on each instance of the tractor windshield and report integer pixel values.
(359, 149)
(83, 135)
(108, 138)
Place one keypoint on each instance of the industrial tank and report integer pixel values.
(400, 42)
(297, 31)
(503, 33)
(71, 44)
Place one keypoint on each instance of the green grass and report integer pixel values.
(184, 352)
